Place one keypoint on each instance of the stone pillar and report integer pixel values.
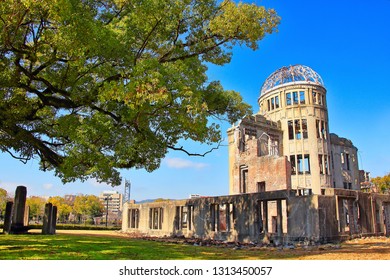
(26, 216)
(387, 218)
(265, 216)
(8, 217)
(53, 220)
(260, 213)
(353, 228)
(19, 209)
(341, 212)
(217, 218)
(47, 218)
(279, 223)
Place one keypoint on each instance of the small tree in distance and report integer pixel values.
(382, 183)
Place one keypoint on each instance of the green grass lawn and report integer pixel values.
(81, 247)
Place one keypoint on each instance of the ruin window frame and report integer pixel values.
(321, 164)
(314, 94)
(295, 98)
(288, 99)
(323, 129)
(277, 104)
(326, 164)
(300, 166)
(318, 129)
(320, 99)
(290, 125)
(297, 130)
(302, 99)
(306, 163)
(261, 186)
(244, 173)
(304, 128)
(293, 163)
(133, 218)
(156, 218)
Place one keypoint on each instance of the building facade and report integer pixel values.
(289, 178)
(293, 100)
(113, 200)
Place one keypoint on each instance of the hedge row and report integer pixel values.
(76, 227)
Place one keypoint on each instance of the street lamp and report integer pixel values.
(107, 198)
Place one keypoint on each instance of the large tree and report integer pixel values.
(89, 87)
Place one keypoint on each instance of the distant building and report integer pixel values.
(115, 201)
(70, 198)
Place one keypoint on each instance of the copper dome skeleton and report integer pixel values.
(291, 74)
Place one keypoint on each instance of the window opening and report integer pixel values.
(276, 102)
(314, 97)
(156, 218)
(290, 130)
(244, 179)
(297, 126)
(323, 130)
(261, 186)
(304, 129)
(295, 97)
(293, 164)
(133, 218)
(302, 97)
(306, 159)
(326, 165)
(288, 99)
(321, 164)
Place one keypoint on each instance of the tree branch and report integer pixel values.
(145, 42)
(194, 154)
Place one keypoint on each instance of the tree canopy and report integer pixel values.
(36, 206)
(3, 199)
(89, 87)
(382, 183)
(88, 206)
(63, 207)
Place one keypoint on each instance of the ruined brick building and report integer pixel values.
(287, 144)
(290, 179)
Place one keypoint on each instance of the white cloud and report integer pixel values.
(180, 163)
(93, 182)
(48, 186)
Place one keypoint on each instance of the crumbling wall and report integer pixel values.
(327, 218)
(276, 216)
(303, 218)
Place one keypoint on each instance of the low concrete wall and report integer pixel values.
(278, 215)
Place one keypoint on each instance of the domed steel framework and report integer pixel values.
(291, 74)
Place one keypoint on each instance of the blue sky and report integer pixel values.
(346, 42)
